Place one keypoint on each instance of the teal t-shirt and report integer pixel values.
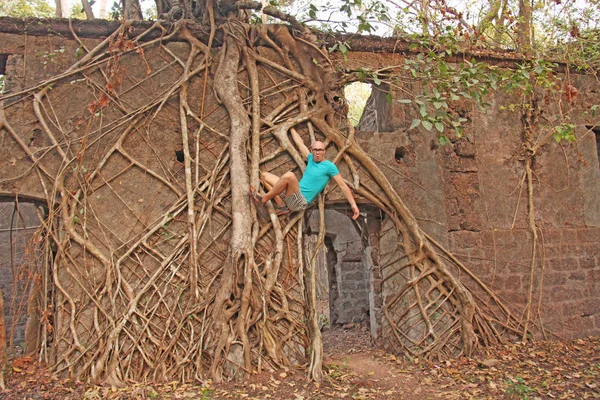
(316, 176)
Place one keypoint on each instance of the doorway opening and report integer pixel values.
(345, 269)
(20, 268)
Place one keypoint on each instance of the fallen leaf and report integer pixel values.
(492, 362)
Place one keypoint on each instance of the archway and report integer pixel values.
(346, 269)
(20, 271)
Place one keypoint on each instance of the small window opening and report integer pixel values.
(400, 153)
(179, 155)
(357, 94)
(3, 59)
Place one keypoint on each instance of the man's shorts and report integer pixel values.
(295, 202)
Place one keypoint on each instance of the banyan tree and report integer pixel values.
(153, 268)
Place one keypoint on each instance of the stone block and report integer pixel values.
(591, 307)
(589, 235)
(563, 264)
(505, 238)
(553, 251)
(572, 308)
(577, 276)
(554, 279)
(465, 239)
(552, 236)
(561, 293)
(509, 283)
(587, 262)
(354, 276)
(593, 275)
(570, 235)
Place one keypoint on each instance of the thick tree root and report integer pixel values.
(194, 283)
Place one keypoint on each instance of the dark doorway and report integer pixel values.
(19, 269)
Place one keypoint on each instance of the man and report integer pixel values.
(296, 196)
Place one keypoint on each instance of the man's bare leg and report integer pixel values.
(277, 185)
(269, 180)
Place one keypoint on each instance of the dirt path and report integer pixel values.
(354, 369)
(376, 374)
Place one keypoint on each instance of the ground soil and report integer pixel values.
(355, 369)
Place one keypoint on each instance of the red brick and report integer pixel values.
(587, 262)
(570, 235)
(554, 279)
(552, 251)
(466, 239)
(571, 309)
(594, 275)
(580, 325)
(591, 307)
(552, 236)
(577, 276)
(508, 284)
(589, 235)
(560, 294)
(564, 264)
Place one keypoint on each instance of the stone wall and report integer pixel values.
(468, 195)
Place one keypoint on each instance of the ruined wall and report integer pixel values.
(110, 172)
(466, 194)
(469, 195)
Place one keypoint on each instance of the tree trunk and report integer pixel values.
(103, 9)
(132, 10)
(58, 11)
(524, 33)
(89, 14)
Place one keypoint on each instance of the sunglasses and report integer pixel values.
(318, 150)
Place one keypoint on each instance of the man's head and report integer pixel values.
(318, 150)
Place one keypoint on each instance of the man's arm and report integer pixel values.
(348, 193)
(300, 143)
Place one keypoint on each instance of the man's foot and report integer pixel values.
(257, 198)
(281, 210)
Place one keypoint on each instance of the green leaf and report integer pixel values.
(376, 80)
(415, 123)
(427, 125)
(389, 98)
(443, 140)
(423, 110)
(404, 101)
(439, 126)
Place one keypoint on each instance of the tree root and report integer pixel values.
(195, 284)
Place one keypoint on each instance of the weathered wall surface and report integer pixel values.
(469, 195)
(116, 187)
